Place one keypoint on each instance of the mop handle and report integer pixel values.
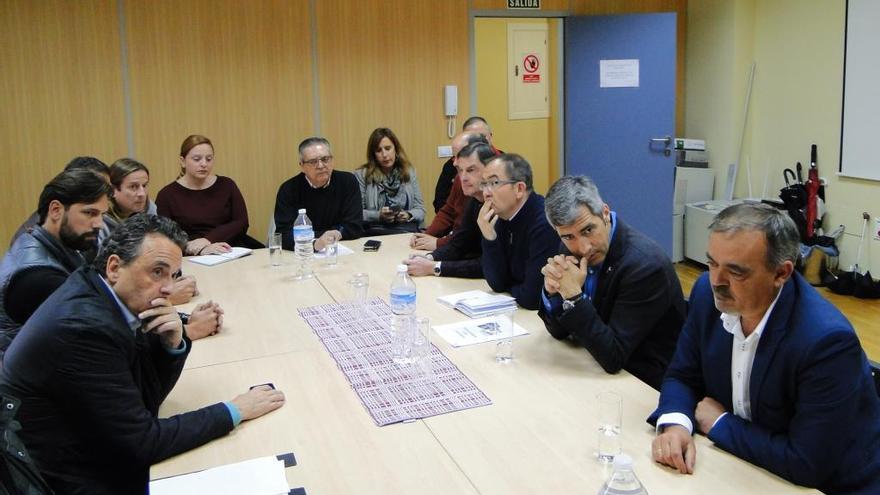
(862, 237)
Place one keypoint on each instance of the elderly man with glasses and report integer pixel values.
(517, 240)
(332, 198)
(612, 291)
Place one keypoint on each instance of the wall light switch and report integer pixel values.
(444, 151)
(877, 229)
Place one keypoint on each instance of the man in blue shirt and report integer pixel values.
(92, 365)
(612, 290)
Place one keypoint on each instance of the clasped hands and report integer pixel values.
(565, 275)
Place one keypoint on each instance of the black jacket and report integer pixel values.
(18, 474)
(461, 255)
(636, 315)
(90, 390)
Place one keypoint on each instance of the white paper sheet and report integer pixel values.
(474, 332)
(260, 476)
(619, 73)
(216, 259)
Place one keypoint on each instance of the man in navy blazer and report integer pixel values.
(767, 368)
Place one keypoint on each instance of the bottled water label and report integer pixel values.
(403, 300)
(301, 232)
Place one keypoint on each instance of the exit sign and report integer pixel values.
(524, 4)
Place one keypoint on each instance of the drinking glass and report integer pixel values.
(504, 328)
(610, 412)
(274, 246)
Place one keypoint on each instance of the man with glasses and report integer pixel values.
(517, 240)
(332, 198)
(612, 291)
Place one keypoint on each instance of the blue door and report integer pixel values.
(609, 130)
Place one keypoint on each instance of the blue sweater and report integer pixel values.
(512, 262)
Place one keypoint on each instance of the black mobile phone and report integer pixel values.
(372, 245)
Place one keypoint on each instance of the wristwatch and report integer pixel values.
(571, 302)
(437, 268)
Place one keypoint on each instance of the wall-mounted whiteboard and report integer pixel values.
(860, 134)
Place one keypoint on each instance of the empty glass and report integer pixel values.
(359, 288)
(331, 253)
(420, 347)
(504, 330)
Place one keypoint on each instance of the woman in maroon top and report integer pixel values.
(209, 207)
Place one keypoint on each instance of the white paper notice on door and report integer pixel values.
(619, 73)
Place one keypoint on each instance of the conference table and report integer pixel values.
(539, 435)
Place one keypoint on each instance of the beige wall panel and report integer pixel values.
(602, 7)
(237, 72)
(60, 95)
(385, 64)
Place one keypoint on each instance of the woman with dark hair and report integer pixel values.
(209, 207)
(392, 200)
(130, 179)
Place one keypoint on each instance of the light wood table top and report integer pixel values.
(538, 436)
(260, 303)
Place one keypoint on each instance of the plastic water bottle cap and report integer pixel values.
(623, 461)
(401, 268)
(302, 210)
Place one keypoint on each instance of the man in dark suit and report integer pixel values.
(612, 290)
(93, 363)
(767, 368)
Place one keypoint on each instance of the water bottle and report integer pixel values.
(623, 480)
(303, 239)
(403, 307)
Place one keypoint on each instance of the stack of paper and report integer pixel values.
(477, 303)
(216, 259)
(261, 476)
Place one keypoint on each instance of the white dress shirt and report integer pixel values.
(741, 359)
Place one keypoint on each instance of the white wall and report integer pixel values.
(796, 99)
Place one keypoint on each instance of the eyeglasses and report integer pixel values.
(314, 161)
(495, 184)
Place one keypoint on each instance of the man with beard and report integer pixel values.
(71, 210)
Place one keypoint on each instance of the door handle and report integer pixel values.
(666, 142)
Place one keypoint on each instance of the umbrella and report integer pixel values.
(846, 281)
(794, 196)
(812, 188)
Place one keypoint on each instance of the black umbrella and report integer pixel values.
(794, 196)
